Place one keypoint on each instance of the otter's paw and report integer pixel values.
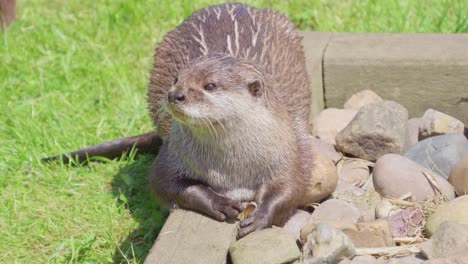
(256, 221)
(224, 207)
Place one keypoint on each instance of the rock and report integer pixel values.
(326, 148)
(370, 234)
(454, 211)
(331, 121)
(450, 239)
(406, 222)
(326, 244)
(395, 176)
(365, 202)
(361, 99)
(436, 123)
(377, 129)
(336, 210)
(439, 153)
(385, 209)
(271, 245)
(426, 249)
(450, 260)
(306, 230)
(459, 176)
(412, 132)
(354, 171)
(344, 186)
(411, 259)
(296, 222)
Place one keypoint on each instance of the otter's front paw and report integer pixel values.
(257, 221)
(224, 207)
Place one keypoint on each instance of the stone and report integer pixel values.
(454, 211)
(377, 129)
(370, 234)
(306, 230)
(439, 153)
(450, 260)
(344, 186)
(296, 222)
(395, 176)
(336, 210)
(186, 233)
(450, 239)
(459, 176)
(412, 132)
(365, 201)
(326, 244)
(326, 148)
(361, 99)
(354, 171)
(331, 121)
(411, 259)
(406, 222)
(436, 123)
(271, 245)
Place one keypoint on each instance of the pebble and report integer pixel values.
(454, 211)
(354, 171)
(365, 201)
(296, 222)
(395, 176)
(371, 234)
(361, 99)
(412, 132)
(450, 239)
(377, 129)
(406, 222)
(271, 245)
(326, 148)
(439, 153)
(459, 176)
(336, 210)
(436, 123)
(326, 244)
(331, 121)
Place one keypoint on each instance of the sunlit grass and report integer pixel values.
(74, 73)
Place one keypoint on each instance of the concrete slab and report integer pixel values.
(419, 71)
(189, 237)
(315, 44)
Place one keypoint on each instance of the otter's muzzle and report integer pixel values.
(175, 97)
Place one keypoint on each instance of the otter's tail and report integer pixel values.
(145, 144)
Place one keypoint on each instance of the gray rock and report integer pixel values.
(296, 222)
(411, 259)
(331, 121)
(377, 129)
(327, 245)
(436, 123)
(450, 239)
(454, 211)
(459, 177)
(370, 234)
(272, 245)
(395, 176)
(449, 260)
(439, 153)
(361, 99)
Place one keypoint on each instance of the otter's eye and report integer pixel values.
(175, 81)
(210, 87)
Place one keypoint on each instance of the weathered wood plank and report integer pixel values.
(189, 237)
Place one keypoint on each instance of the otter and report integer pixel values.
(229, 96)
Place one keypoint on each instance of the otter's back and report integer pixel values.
(262, 36)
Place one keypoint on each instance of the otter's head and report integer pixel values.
(215, 89)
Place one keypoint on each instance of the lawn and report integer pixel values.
(74, 73)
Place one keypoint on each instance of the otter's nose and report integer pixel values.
(175, 97)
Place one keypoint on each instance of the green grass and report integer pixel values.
(74, 73)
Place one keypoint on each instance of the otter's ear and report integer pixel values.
(255, 88)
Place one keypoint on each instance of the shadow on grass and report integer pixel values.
(131, 187)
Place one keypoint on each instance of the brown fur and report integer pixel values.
(248, 139)
(7, 12)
